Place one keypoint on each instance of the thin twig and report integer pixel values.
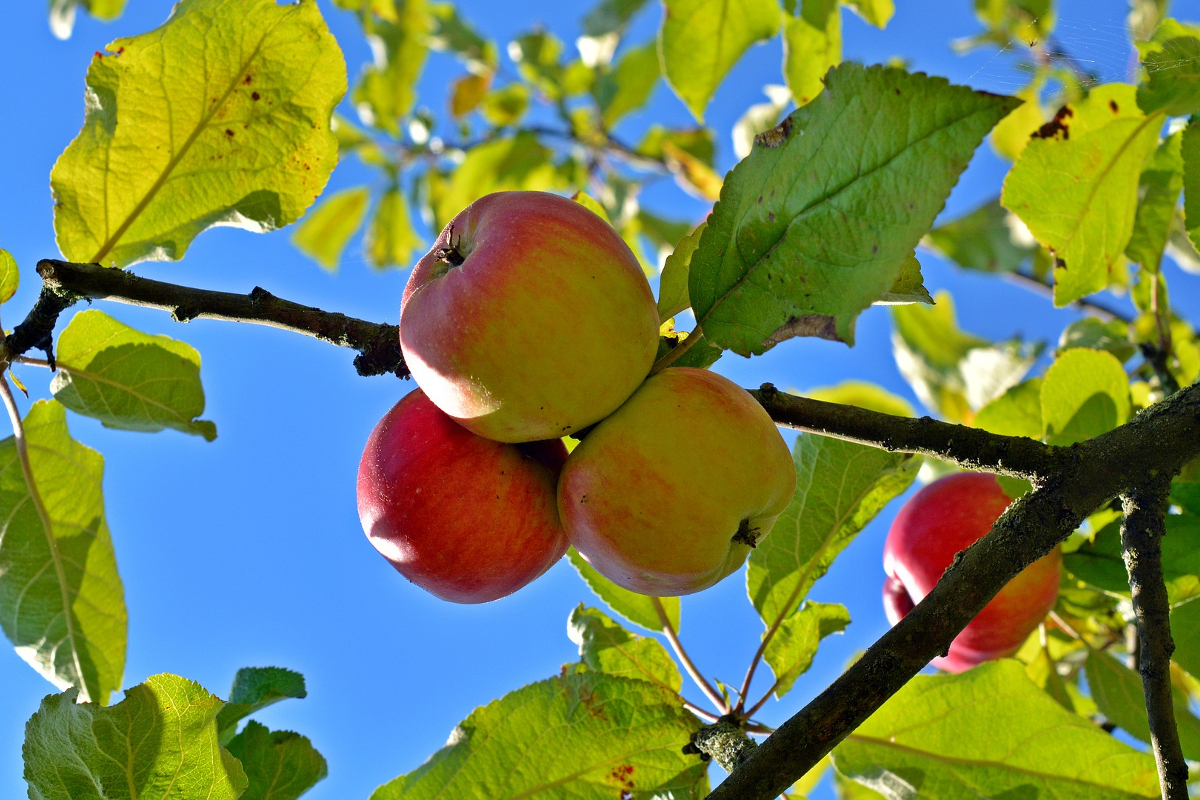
(1141, 536)
(677, 646)
(700, 712)
(1093, 307)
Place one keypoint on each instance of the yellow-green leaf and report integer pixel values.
(324, 232)
(62, 13)
(221, 116)
(390, 238)
(1012, 133)
(387, 88)
(128, 379)
(875, 12)
(1085, 393)
(812, 43)
(864, 395)
(10, 277)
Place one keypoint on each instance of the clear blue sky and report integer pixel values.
(248, 550)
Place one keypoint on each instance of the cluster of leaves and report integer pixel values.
(822, 218)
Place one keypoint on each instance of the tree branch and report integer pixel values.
(1141, 537)
(971, 448)
(64, 284)
(1160, 440)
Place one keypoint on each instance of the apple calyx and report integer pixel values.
(746, 535)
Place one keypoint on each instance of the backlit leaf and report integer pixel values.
(1118, 693)
(610, 736)
(1171, 63)
(1017, 412)
(875, 12)
(864, 395)
(390, 240)
(673, 284)
(324, 232)
(812, 43)
(636, 608)
(790, 651)
(62, 13)
(988, 239)
(159, 742)
(1185, 632)
(520, 162)
(817, 222)
(909, 286)
(128, 379)
(604, 646)
(629, 85)
(62, 604)
(1075, 186)
(387, 88)
(1159, 188)
(10, 277)
(1084, 394)
(169, 149)
(1099, 562)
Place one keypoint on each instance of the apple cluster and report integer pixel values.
(530, 320)
(942, 519)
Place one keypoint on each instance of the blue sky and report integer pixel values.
(248, 550)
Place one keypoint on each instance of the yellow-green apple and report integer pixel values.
(529, 319)
(939, 521)
(668, 495)
(461, 516)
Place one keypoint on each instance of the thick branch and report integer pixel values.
(1141, 538)
(971, 448)
(1158, 441)
(64, 283)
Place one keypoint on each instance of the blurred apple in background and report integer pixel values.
(463, 517)
(529, 319)
(668, 495)
(939, 521)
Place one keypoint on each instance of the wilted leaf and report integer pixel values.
(128, 379)
(159, 742)
(254, 122)
(1075, 186)
(636, 608)
(611, 735)
(62, 604)
(817, 222)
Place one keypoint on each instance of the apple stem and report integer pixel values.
(677, 352)
(677, 646)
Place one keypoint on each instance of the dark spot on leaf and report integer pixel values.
(248, 80)
(775, 136)
(1057, 125)
(823, 326)
(228, 133)
(255, 96)
(771, 216)
(897, 91)
(1113, 105)
(760, 199)
(874, 248)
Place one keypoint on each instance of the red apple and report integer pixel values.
(668, 495)
(529, 319)
(465, 518)
(942, 519)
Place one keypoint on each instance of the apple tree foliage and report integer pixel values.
(228, 114)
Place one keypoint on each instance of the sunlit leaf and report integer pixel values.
(10, 277)
(159, 742)
(700, 355)
(1075, 186)
(1159, 188)
(1185, 633)
(325, 231)
(909, 286)
(604, 646)
(506, 106)
(1012, 133)
(1109, 335)
(611, 735)
(1100, 564)
(925, 741)
(1171, 63)
(387, 88)
(62, 604)
(1017, 412)
(1118, 693)
(453, 33)
(520, 162)
(128, 379)
(468, 92)
(700, 41)
(790, 651)
(169, 150)
(875, 12)
(629, 85)
(673, 285)
(636, 608)
(390, 239)
(864, 395)
(1084, 394)
(812, 43)
(817, 222)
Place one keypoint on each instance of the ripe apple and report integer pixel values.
(465, 518)
(940, 520)
(668, 495)
(529, 319)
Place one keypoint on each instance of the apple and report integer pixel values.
(668, 495)
(940, 520)
(465, 518)
(529, 319)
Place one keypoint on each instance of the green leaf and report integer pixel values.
(697, 141)
(520, 162)
(62, 604)
(1170, 62)
(699, 42)
(988, 239)
(848, 789)
(875, 12)
(673, 285)
(1118, 693)
(864, 395)
(812, 43)
(604, 646)
(10, 277)
(537, 56)
(784, 256)
(925, 740)
(255, 688)
(1076, 186)
(1012, 133)
(610, 16)
(1017, 412)
(1084, 394)
(629, 85)
(840, 487)
(1099, 562)
(506, 106)
(62, 13)
(637, 608)
(280, 765)
(324, 232)
(387, 88)
(159, 742)
(253, 124)
(1185, 489)
(128, 379)
(1112, 336)
(1190, 150)
(790, 651)
(1185, 632)
(909, 286)
(390, 240)
(454, 34)
(952, 372)
(610, 736)
(1158, 188)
